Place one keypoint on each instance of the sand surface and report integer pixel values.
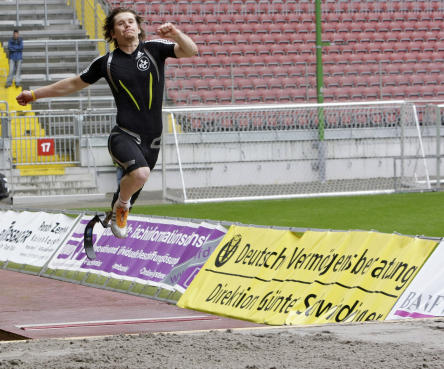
(401, 345)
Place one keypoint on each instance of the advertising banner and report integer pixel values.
(71, 254)
(424, 297)
(158, 252)
(185, 272)
(274, 277)
(32, 237)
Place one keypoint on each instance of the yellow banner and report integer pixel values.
(275, 277)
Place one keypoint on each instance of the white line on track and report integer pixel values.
(97, 323)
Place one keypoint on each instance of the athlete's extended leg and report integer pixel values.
(132, 201)
(130, 184)
(133, 182)
(135, 155)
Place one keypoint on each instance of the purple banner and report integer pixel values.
(186, 271)
(164, 253)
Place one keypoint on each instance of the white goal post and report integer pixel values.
(250, 152)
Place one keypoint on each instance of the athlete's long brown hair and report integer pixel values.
(109, 24)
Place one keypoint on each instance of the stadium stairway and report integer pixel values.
(46, 178)
(40, 68)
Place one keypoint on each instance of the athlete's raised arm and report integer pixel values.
(60, 88)
(185, 46)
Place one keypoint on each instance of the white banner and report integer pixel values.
(424, 297)
(32, 237)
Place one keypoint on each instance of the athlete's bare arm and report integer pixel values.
(185, 46)
(61, 88)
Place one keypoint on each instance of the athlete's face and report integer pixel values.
(125, 28)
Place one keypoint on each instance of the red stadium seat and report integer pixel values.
(371, 93)
(239, 97)
(245, 84)
(216, 84)
(253, 96)
(209, 97)
(179, 97)
(224, 96)
(276, 38)
(259, 84)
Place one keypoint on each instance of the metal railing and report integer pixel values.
(50, 48)
(5, 141)
(77, 103)
(433, 117)
(67, 127)
(50, 137)
(43, 139)
(45, 13)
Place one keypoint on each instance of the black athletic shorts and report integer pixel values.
(131, 151)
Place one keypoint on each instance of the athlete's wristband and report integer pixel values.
(33, 95)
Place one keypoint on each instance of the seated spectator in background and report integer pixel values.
(15, 49)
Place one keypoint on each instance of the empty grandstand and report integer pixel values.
(264, 51)
(256, 51)
(250, 52)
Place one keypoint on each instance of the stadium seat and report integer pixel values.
(275, 38)
(259, 84)
(356, 94)
(279, 72)
(253, 96)
(370, 93)
(193, 73)
(179, 97)
(201, 84)
(331, 81)
(271, 96)
(430, 80)
(245, 84)
(253, 72)
(224, 97)
(241, 39)
(398, 92)
(401, 80)
(416, 80)
(387, 92)
(437, 57)
(209, 97)
(420, 68)
(290, 83)
(206, 50)
(386, 80)
(274, 83)
(186, 85)
(216, 84)
(239, 97)
(392, 69)
(248, 49)
(349, 81)
(406, 69)
(364, 81)
(427, 92)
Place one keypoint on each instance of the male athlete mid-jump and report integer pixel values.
(135, 74)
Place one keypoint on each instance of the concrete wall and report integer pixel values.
(275, 157)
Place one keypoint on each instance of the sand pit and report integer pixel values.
(402, 345)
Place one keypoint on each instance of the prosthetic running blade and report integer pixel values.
(89, 231)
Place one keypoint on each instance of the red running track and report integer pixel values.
(34, 307)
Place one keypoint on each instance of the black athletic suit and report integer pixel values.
(137, 82)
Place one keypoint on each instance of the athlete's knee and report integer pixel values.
(140, 175)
